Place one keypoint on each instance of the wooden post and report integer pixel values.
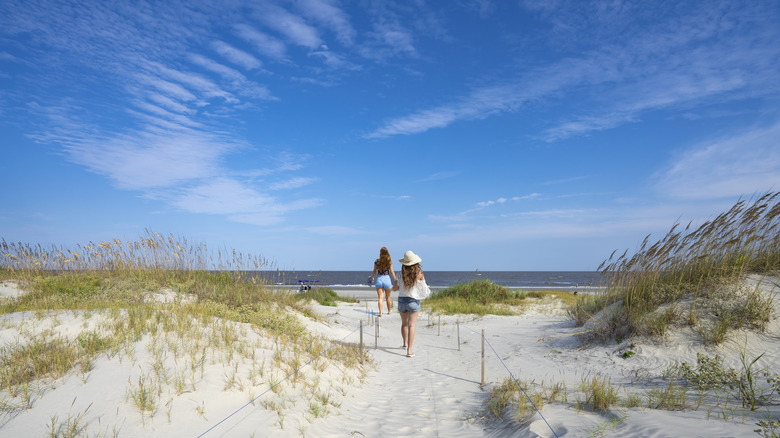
(376, 333)
(483, 358)
(361, 341)
(458, 325)
(439, 326)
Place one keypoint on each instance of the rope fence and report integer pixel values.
(283, 380)
(484, 341)
(375, 322)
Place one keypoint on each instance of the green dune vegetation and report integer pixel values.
(692, 277)
(482, 297)
(188, 307)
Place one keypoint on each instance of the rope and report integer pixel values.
(278, 383)
(516, 382)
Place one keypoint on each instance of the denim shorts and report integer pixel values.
(408, 304)
(383, 282)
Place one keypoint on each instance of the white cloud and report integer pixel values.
(334, 60)
(479, 104)
(176, 118)
(238, 81)
(619, 79)
(291, 26)
(225, 196)
(237, 56)
(503, 200)
(326, 12)
(170, 89)
(262, 42)
(203, 86)
(143, 117)
(393, 35)
(292, 183)
(237, 200)
(147, 160)
(170, 104)
(439, 176)
(744, 163)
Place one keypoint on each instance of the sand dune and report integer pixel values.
(437, 393)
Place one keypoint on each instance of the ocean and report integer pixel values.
(443, 279)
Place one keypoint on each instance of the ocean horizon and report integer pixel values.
(441, 279)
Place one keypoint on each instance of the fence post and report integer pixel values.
(361, 341)
(483, 358)
(376, 333)
(439, 326)
(458, 325)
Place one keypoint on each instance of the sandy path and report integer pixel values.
(419, 396)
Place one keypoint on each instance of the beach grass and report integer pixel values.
(190, 309)
(323, 295)
(483, 297)
(698, 268)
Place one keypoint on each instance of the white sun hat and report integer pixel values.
(410, 259)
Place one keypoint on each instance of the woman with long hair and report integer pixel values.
(412, 289)
(383, 269)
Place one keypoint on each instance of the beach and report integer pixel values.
(438, 393)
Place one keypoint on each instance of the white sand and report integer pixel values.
(435, 394)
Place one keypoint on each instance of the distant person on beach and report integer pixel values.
(412, 289)
(383, 269)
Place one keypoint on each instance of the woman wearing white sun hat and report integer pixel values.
(412, 289)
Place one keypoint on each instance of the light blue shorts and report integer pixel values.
(383, 282)
(408, 304)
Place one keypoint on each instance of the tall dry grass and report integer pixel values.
(117, 285)
(692, 264)
(107, 274)
(151, 255)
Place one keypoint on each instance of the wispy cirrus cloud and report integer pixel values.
(734, 165)
(292, 183)
(468, 215)
(619, 81)
(262, 42)
(292, 26)
(236, 56)
(329, 14)
(237, 80)
(439, 176)
(162, 132)
(483, 204)
(237, 200)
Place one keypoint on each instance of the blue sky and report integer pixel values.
(491, 135)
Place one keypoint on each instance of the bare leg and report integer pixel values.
(405, 327)
(411, 323)
(379, 292)
(389, 301)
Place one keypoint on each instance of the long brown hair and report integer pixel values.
(384, 262)
(410, 274)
